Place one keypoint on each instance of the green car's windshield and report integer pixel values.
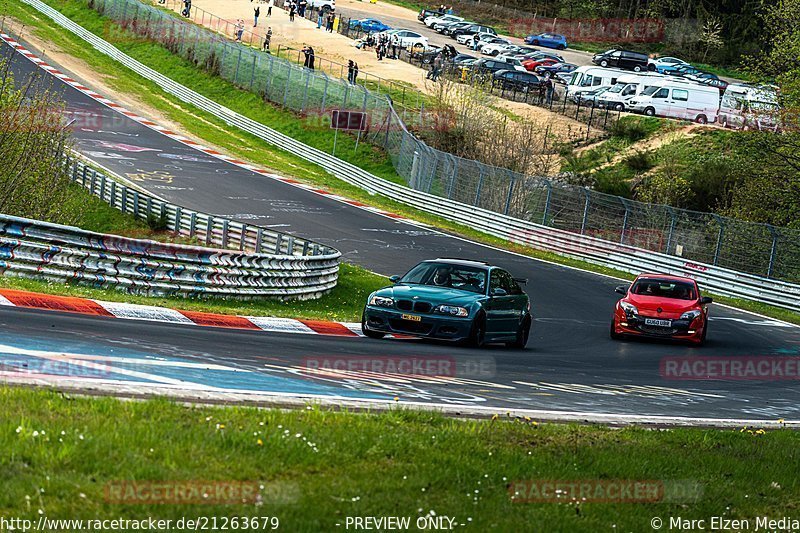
(465, 278)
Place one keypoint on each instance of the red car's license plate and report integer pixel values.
(413, 318)
(657, 322)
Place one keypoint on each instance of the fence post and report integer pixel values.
(720, 236)
(288, 79)
(453, 175)
(305, 94)
(253, 71)
(585, 210)
(510, 193)
(479, 187)
(589, 123)
(324, 95)
(671, 229)
(236, 71)
(547, 202)
(773, 250)
(624, 220)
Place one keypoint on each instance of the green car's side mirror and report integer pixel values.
(394, 279)
(499, 292)
(622, 289)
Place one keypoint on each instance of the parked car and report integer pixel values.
(451, 299)
(684, 70)
(425, 13)
(483, 68)
(624, 59)
(543, 54)
(408, 39)
(369, 25)
(431, 21)
(472, 30)
(702, 76)
(428, 55)
(721, 85)
(445, 29)
(657, 305)
(664, 64)
(590, 96)
(531, 64)
(325, 6)
(472, 41)
(515, 80)
(492, 47)
(549, 40)
(550, 70)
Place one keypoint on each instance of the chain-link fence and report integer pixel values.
(701, 237)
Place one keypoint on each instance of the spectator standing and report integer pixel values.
(269, 7)
(542, 93)
(437, 67)
(329, 27)
(550, 90)
(267, 39)
(350, 70)
(355, 72)
(256, 13)
(395, 41)
(291, 12)
(319, 19)
(309, 60)
(302, 8)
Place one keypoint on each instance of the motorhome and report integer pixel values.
(684, 99)
(749, 107)
(588, 78)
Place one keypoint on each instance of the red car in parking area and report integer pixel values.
(531, 64)
(661, 306)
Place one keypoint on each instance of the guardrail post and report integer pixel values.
(624, 220)
(305, 248)
(278, 243)
(209, 229)
(192, 224)
(113, 193)
(136, 203)
(243, 238)
(513, 182)
(124, 200)
(720, 236)
(178, 216)
(225, 233)
(84, 172)
(671, 229)
(290, 245)
(585, 210)
(102, 187)
(149, 207)
(547, 202)
(773, 250)
(259, 240)
(316, 249)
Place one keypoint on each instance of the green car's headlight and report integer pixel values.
(452, 310)
(381, 301)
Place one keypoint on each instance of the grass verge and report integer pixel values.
(318, 467)
(205, 126)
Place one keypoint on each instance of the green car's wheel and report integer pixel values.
(477, 336)
(368, 332)
(523, 333)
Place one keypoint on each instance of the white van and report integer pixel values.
(749, 107)
(627, 87)
(588, 78)
(683, 100)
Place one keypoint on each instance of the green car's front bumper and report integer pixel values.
(433, 325)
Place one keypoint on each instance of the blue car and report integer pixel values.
(369, 25)
(549, 40)
(451, 299)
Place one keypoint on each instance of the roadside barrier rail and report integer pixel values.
(252, 262)
(577, 243)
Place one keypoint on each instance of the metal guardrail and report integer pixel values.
(252, 261)
(716, 279)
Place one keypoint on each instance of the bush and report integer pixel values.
(633, 129)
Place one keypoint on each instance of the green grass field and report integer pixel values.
(61, 453)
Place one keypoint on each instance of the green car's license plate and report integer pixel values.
(413, 318)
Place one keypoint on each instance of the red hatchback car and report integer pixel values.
(661, 306)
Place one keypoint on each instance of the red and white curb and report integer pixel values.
(85, 306)
(188, 142)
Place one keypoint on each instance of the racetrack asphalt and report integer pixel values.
(570, 362)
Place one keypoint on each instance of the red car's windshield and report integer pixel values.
(664, 288)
